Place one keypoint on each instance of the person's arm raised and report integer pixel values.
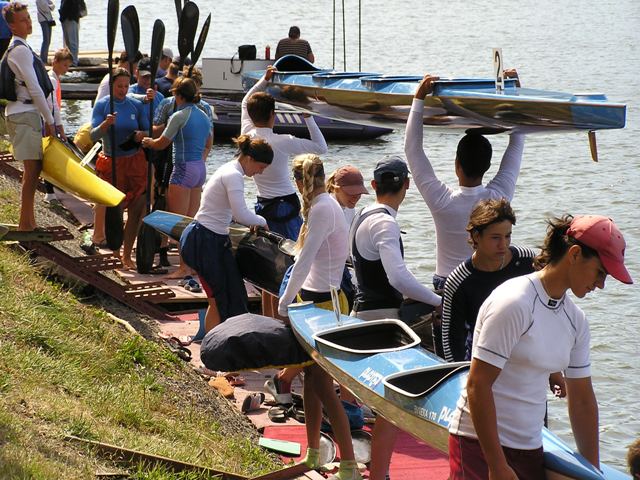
(246, 124)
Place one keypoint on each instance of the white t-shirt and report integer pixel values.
(103, 88)
(321, 261)
(223, 200)
(378, 238)
(528, 335)
(276, 181)
(451, 207)
(20, 60)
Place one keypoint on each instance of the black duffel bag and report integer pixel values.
(247, 52)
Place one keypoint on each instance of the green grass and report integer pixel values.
(67, 369)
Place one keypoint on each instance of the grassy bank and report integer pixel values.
(68, 369)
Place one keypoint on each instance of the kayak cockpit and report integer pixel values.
(420, 381)
(369, 338)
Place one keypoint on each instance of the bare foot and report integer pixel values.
(176, 275)
(128, 264)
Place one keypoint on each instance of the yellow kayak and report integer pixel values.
(61, 166)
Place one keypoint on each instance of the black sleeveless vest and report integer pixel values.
(374, 290)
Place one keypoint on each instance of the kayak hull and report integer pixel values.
(61, 167)
(381, 100)
(409, 386)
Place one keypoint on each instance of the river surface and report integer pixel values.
(590, 45)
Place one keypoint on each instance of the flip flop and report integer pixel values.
(183, 281)
(178, 348)
(158, 270)
(272, 387)
(278, 414)
(252, 402)
(296, 412)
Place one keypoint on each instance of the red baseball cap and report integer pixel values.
(601, 234)
(350, 180)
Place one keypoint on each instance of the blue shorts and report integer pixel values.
(209, 254)
(188, 174)
(282, 214)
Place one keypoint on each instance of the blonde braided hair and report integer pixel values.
(310, 170)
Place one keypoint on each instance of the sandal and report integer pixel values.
(192, 286)
(252, 402)
(183, 281)
(296, 412)
(272, 386)
(178, 348)
(236, 380)
(278, 414)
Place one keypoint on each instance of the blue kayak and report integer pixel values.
(383, 364)
(383, 100)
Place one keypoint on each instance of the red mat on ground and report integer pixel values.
(411, 460)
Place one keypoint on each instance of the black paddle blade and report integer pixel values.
(201, 41)
(187, 30)
(113, 227)
(157, 42)
(178, 9)
(147, 244)
(112, 25)
(130, 32)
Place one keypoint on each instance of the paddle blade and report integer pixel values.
(113, 229)
(147, 244)
(130, 31)
(201, 41)
(187, 29)
(112, 25)
(157, 42)
(178, 9)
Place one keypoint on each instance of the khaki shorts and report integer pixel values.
(25, 133)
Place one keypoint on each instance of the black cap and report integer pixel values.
(144, 66)
(393, 165)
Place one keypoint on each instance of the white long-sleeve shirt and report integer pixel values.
(275, 181)
(378, 238)
(223, 200)
(451, 207)
(20, 60)
(320, 263)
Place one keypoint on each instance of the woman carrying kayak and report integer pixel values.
(190, 131)
(322, 250)
(526, 329)
(205, 244)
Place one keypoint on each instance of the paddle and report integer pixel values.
(148, 238)
(178, 4)
(113, 215)
(200, 44)
(187, 30)
(130, 35)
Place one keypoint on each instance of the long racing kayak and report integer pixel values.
(382, 363)
(385, 100)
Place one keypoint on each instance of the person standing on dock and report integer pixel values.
(382, 276)
(526, 329)
(46, 21)
(25, 114)
(451, 207)
(294, 45)
(71, 11)
(277, 198)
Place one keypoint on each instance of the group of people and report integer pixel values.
(503, 306)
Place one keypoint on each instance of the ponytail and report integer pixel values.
(256, 148)
(557, 243)
(309, 170)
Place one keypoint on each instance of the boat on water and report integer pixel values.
(383, 364)
(458, 103)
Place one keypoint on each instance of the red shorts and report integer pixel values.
(131, 174)
(466, 461)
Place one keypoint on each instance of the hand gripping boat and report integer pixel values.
(263, 257)
(384, 100)
(382, 363)
(61, 166)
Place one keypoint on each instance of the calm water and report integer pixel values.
(592, 45)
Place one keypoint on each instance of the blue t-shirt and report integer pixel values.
(131, 115)
(138, 90)
(188, 128)
(164, 85)
(5, 32)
